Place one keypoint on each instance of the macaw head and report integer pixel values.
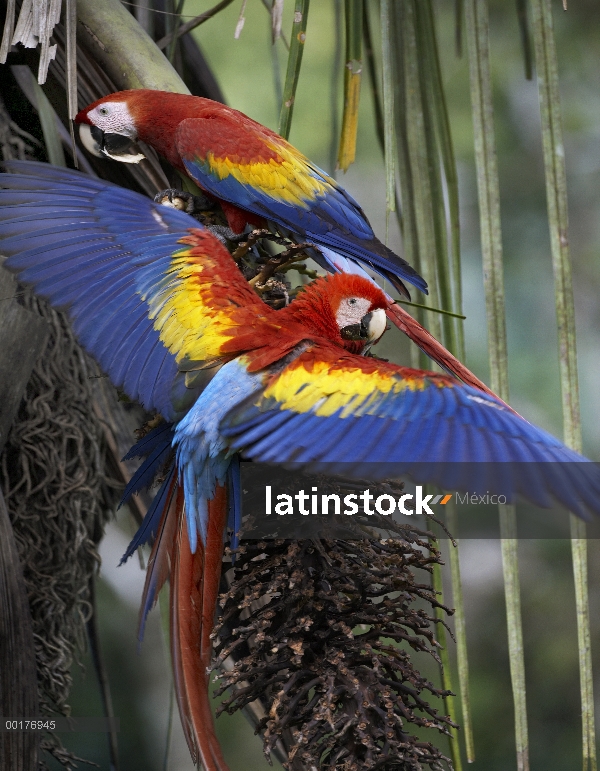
(112, 125)
(345, 308)
(108, 127)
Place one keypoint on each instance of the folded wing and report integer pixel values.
(258, 171)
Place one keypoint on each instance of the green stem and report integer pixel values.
(440, 634)
(477, 28)
(512, 594)
(352, 81)
(372, 73)
(427, 47)
(477, 23)
(525, 38)
(458, 27)
(71, 58)
(580, 574)
(455, 341)
(433, 310)
(460, 631)
(556, 194)
(418, 149)
(449, 274)
(172, 25)
(293, 66)
(389, 129)
(334, 88)
(123, 49)
(406, 214)
(48, 117)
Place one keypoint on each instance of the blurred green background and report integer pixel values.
(245, 71)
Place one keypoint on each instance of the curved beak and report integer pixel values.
(116, 146)
(91, 139)
(374, 325)
(370, 329)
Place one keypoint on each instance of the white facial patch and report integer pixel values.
(351, 311)
(113, 118)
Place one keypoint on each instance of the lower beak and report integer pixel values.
(116, 146)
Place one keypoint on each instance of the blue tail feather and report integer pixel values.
(149, 526)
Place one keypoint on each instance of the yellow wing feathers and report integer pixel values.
(202, 305)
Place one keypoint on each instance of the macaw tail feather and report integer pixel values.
(234, 490)
(154, 518)
(435, 350)
(161, 556)
(155, 448)
(194, 592)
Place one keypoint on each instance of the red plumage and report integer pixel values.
(194, 592)
(194, 588)
(241, 143)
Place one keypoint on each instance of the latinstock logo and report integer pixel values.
(313, 503)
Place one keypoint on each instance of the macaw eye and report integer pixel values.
(352, 301)
(103, 110)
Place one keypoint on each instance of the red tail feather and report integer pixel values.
(194, 592)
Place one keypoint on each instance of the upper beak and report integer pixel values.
(370, 329)
(92, 139)
(115, 146)
(374, 324)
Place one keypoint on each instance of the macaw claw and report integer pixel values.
(187, 202)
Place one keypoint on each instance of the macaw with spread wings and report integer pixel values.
(164, 309)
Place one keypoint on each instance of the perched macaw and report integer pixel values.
(257, 177)
(162, 306)
(253, 172)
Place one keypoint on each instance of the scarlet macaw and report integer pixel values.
(162, 306)
(255, 174)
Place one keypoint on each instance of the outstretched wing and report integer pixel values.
(369, 418)
(151, 299)
(242, 162)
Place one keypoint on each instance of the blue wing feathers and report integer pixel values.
(273, 421)
(58, 210)
(94, 305)
(97, 250)
(54, 174)
(142, 340)
(45, 237)
(117, 351)
(142, 374)
(50, 262)
(160, 435)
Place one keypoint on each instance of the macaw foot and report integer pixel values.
(274, 292)
(224, 233)
(187, 202)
